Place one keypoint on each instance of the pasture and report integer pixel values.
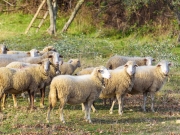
(166, 119)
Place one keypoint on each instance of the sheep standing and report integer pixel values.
(29, 79)
(150, 79)
(120, 83)
(76, 89)
(67, 68)
(117, 61)
(54, 70)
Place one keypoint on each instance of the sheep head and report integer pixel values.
(164, 67)
(130, 67)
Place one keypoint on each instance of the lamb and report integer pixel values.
(16, 81)
(67, 68)
(117, 61)
(54, 70)
(76, 89)
(3, 49)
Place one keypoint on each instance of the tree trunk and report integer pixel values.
(76, 9)
(52, 7)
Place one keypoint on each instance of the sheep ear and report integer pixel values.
(154, 60)
(158, 65)
(50, 56)
(70, 61)
(125, 65)
(39, 62)
(60, 56)
(7, 49)
(136, 65)
(169, 64)
(145, 59)
(28, 53)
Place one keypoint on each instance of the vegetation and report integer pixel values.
(94, 41)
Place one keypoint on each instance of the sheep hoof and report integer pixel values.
(63, 122)
(110, 112)
(47, 121)
(42, 106)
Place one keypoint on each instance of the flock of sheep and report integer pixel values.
(31, 71)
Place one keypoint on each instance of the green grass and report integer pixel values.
(93, 48)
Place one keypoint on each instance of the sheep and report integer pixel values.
(47, 49)
(150, 79)
(76, 89)
(3, 49)
(5, 60)
(86, 71)
(54, 70)
(16, 81)
(121, 82)
(117, 61)
(67, 68)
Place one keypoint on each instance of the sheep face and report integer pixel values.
(34, 53)
(4, 49)
(75, 61)
(130, 67)
(164, 66)
(56, 59)
(149, 61)
(45, 64)
(104, 72)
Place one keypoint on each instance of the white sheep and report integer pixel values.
(15, 81)
(5, 60)
(67, 68)
(76, 89)
(86, 71)
(117, 61)
(54, 70)
(150, 79)
(120, 83)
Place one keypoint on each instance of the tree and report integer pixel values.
(76, 9)
(52, 7)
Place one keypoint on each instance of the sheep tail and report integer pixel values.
(53, 94)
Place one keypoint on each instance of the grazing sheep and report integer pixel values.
(67, 68)
(3, 49)
(54, 70)
(150, 79)
(77, 89)
(15, 81)
(117, 61)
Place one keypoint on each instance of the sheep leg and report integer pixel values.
(85, 110)
(61, 106)
(3, 101)
(152, 101)
(119, 99)
(15, 101)
(89, 112)
(48, 113)
(144, 101)
(42, 91)
(93, 108)
(112, 106)
(31, 96)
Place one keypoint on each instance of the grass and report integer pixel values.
(94, 50)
